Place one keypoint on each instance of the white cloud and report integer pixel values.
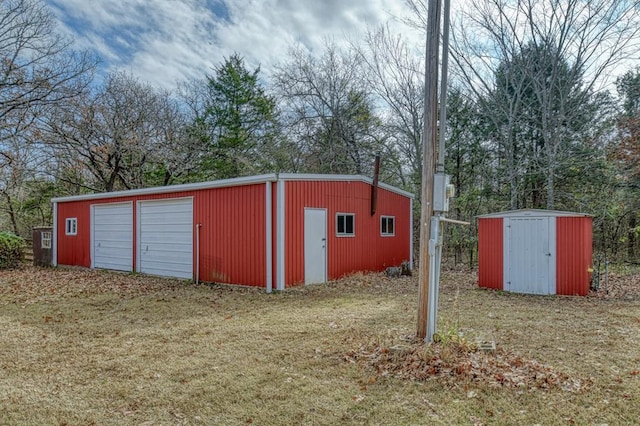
(162, 41)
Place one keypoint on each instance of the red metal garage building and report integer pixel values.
(535, 252)
(262, 231)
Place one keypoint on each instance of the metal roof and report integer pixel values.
(248, 180)
(533, 213)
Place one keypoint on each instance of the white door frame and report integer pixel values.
(325, 246)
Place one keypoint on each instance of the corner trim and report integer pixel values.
(268, 237)
(280, 238)
(54, 254)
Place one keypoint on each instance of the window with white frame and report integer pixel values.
(345, 224)
(387, 226)
(71, 226)
(45, 240)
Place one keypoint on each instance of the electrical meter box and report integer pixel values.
(443, 190)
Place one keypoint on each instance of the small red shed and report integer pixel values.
(268, 230)
(535, 252)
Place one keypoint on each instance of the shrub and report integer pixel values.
(11, 250)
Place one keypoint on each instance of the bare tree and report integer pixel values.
(557, 54)
(38, 69)
(178, 152)
(121, 134)
(396, 75)
(38, 66)
(329, 110)
(550, 56)
(25, 185)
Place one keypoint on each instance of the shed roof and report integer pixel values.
(532, 213)
(224, 183)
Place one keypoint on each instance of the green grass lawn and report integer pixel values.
(87, 347)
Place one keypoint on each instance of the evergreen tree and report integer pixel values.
(239, 121)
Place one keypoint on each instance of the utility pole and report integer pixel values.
(429, 141)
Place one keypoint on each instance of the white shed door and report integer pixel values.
(315, 246)
(529, 255)
(165, 237)
(112, 236)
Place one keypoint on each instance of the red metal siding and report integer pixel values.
(574, 255)
(368, 250)
(232, 238)
(490, 253)
(73, 249)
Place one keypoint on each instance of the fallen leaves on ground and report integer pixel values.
(618, 286)
(458, 363)
(30, 284)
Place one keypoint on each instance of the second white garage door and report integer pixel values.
(165, 237)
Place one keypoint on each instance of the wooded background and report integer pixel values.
(543, 112)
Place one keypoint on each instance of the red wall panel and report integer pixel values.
(574, 255)
(368, 250)
(232, 238)
(490, 253)
(74, 249)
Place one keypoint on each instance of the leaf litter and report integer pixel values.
(461, 364)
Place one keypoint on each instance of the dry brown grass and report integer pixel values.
(88, 347)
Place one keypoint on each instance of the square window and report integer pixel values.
(45, 240)
(71, 226)
(345, 225)
(387, 226)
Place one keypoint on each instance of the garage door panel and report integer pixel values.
(166, 229)
(159, 251)
(112, 228)
(166, 238)
(168, 270)
(161, 211)
(120, 237)
(116, 220)
(169, 238)
(122, 247)
(170, 258)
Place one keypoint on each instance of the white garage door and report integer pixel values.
(165, 240)
(112, 235)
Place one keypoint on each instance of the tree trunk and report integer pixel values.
(513, 186)
(550, 190)
(631, 240)
(11, 211)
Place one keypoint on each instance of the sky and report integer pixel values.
(165, 41)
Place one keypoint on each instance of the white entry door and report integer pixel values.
(112, 236)
(165, 237)
(529, 250)
(315, 246)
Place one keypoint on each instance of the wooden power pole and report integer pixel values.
(429, 141)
